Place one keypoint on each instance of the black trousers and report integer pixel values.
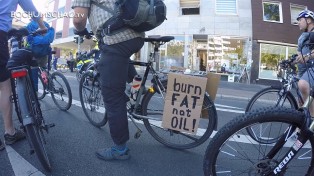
(115, 71)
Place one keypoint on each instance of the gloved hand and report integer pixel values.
(81, 33)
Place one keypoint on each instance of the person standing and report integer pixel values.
(11, 135)
(116, 50)
(306, 25)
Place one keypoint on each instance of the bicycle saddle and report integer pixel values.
(21, 57)
(158, 38)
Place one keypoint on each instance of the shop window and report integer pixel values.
(270, 57)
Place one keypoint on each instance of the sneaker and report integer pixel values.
(1, 145)
(113, 154)
(11, 139)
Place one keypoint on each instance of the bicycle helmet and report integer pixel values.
(306, 14)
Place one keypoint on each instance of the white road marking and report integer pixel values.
(20, 166)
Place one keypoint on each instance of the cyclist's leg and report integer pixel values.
(6, 106)
(304, 85)
(113, 67)
(34, 78)
(131, 73)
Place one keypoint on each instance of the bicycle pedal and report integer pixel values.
(138, 134)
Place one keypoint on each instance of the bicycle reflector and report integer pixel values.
(19, 73)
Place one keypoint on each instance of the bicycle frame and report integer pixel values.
(160, 87)
(303, 135)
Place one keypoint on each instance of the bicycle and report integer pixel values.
(26, 104)
(148, 107)
(233, 152)
(278, 95)
(57, 85)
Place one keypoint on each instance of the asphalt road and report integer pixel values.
(72, 143)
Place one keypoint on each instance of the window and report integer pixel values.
(226, 7)
(190, 7)
(295, 10)
(270, 57)
(272, 11)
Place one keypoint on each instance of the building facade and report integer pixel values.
(275, 35)
(237, 34)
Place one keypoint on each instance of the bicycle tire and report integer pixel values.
(60, 89)
(171, 138)
(63, 68)
(91, 99)
(78, 75)
(28, 104)
(231, 144)
(269, 96)
(41, 88)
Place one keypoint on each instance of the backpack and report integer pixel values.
(139, 15)
(40, 44)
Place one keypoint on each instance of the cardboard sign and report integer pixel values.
(212, 84)
(183, 103)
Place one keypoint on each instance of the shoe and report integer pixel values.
(113, 154)
(1, 145)
(11, 139)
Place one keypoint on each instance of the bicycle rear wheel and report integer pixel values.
(92, 100)
(233, 152)
(153, 106)
(60, 91)
(270, 96)
(30, 108)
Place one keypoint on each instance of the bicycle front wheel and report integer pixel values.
(270, 96)
(29, 107)
(233, 152)
(92, 100)
(153, 106)
(60, 91)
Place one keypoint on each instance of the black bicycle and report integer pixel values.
(57, 85)
(148, 107)
(233, 151)
(280, 95)
(25, 100)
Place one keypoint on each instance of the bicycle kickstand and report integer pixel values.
(139, 131)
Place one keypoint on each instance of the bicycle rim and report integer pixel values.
(30, 107)
(268, 97)
(91, 100)
(152, 106)
(61, 91)
(233, 152)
